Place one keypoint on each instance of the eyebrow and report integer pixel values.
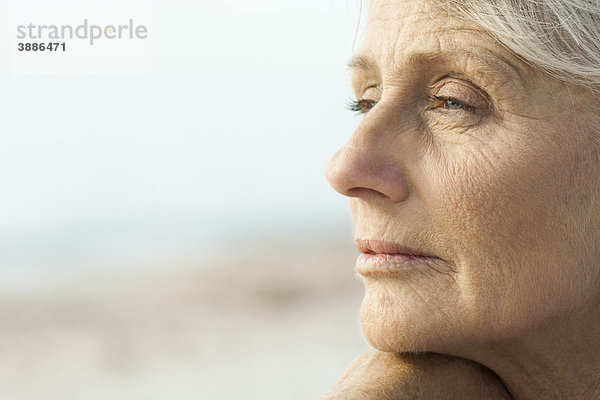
(363, 63)
(366, 63)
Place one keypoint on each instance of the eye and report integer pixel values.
(448, 103)
(361, 106)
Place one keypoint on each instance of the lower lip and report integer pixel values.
(382, 265)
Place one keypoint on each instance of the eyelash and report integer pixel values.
(362, 106)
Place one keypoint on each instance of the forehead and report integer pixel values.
(400, 32)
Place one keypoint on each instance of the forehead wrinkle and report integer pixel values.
(474, 61)
(452, 43)
(424, 39)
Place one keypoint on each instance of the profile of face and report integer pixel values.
(472, 180)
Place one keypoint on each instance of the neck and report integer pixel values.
(561, 362)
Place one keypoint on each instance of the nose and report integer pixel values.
(367, 166)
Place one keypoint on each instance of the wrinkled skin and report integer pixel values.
(468, 154)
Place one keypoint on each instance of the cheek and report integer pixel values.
(473, 194)
(504, 216)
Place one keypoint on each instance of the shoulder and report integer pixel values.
(376, 375)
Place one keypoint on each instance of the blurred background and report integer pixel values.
(166, 229)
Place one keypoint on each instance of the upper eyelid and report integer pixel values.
(439, 83)
(471, 97)
(463, 82)
(360, 93)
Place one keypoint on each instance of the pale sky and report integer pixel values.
(226, 131)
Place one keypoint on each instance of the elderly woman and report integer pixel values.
(473, 180)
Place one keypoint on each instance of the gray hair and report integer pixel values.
(560, 37)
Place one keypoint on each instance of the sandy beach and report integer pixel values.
(275, 320)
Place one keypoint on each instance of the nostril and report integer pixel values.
(363, 191)
(354, 192)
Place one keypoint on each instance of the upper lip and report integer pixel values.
(369, 246)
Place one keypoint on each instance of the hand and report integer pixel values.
(376, 375)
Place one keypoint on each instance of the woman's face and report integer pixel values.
(467, 155)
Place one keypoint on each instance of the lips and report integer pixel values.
(382, 259)
(373, 247)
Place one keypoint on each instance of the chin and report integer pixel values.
(395, 320)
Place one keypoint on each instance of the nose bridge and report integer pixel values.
(370, 162)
